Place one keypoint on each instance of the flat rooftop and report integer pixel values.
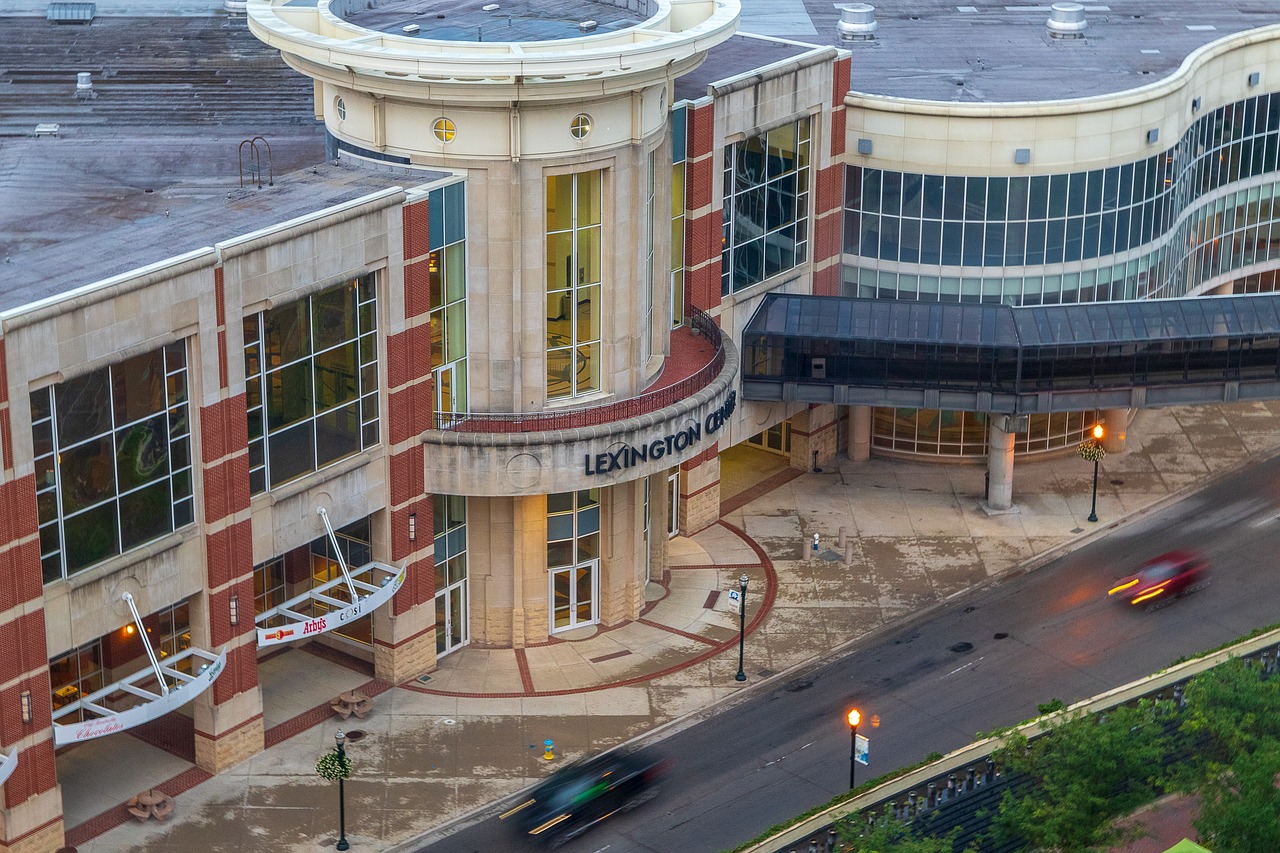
(985, 52)
(511, 20)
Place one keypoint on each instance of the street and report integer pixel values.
(983, 661)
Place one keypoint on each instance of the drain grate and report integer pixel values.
(355, 735)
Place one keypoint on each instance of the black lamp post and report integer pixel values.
(854, 718)
(1098, 432)
(342, 798)
(742, 626)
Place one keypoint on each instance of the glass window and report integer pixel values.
(311, 379)
(75, 675)
(573, 284)
(113, 460)
(766, 204)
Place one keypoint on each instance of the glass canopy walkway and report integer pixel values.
(1002, 359)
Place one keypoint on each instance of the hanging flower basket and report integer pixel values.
(1091, 450)
(333, 767)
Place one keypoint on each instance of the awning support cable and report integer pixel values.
(337, 549)
(146, 643)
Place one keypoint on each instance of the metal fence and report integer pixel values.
(700, 323)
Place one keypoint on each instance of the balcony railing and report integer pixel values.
(650, 401)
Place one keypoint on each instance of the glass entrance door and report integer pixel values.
(573, 596)
(451, 618)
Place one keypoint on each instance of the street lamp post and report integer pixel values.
(854, 718)
(742, 626)
(1098, 432)
(342, 798)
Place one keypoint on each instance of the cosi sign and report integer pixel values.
(631, 454)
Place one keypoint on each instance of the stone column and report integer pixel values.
(859, 448)
(1116, 425)
(700, 491)
(622, 566)
(813, 431)
(999, 465)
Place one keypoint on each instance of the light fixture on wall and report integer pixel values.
(25, 699)
(234, 606)
(413, 527)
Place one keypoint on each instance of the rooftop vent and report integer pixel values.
(587, 26)
(857, 22)
(1066, 21)
(410, 29)
(84, 86)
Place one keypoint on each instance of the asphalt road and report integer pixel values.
(984, 661)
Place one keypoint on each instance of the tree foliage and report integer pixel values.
(1235, 706)
(1086, 772)
(1240, 808)
(894, 836)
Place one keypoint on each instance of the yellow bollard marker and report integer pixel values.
(548, 755)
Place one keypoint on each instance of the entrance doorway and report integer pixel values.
(574, 596)
(452, 616)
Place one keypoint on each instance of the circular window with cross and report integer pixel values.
(444, 129)
(580, 126)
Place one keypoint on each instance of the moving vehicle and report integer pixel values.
(1162, 579)
(585, 793)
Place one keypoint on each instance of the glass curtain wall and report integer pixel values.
(766, 206)
(311, 381)
(112, 460)
(573, 557)
(447, 273)
(1054, 238)
(574, 238)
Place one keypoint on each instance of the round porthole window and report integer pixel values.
(580, 126)
(444, 129)
(340, 107)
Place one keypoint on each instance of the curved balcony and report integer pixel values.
(541, 452)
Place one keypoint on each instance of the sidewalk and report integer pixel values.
(473, 732)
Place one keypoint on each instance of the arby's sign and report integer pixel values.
(302, 629)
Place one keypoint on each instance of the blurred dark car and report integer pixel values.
(584, 793)
(1162, 579)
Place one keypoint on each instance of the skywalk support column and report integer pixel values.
(859, 448)
(228, 716)
(404, 642)
(31, 813)
(1117, 425)
(999, 465)
(813, 437)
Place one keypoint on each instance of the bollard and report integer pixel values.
(968, 781)
(813, 845)
(831, 841)
(1177, 695)
(547, 753)
(991, 770)
(848, 553)
(951, 786)
(840, 540)
(911, 805)
(932, 799)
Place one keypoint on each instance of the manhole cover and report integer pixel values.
(1001, 635)
(355, 735)
(959, 648)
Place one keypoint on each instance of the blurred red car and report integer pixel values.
(1162, 579)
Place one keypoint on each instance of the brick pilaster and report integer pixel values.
(404, 633)
(31, 810)
(703, 215)
(228, 716)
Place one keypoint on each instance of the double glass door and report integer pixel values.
(574, 596)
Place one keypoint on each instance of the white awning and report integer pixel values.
(8, 764)
(100, 720)
(367, 588)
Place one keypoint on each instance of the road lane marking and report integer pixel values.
(966, 666)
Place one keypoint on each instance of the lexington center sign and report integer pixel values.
(630, 455)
